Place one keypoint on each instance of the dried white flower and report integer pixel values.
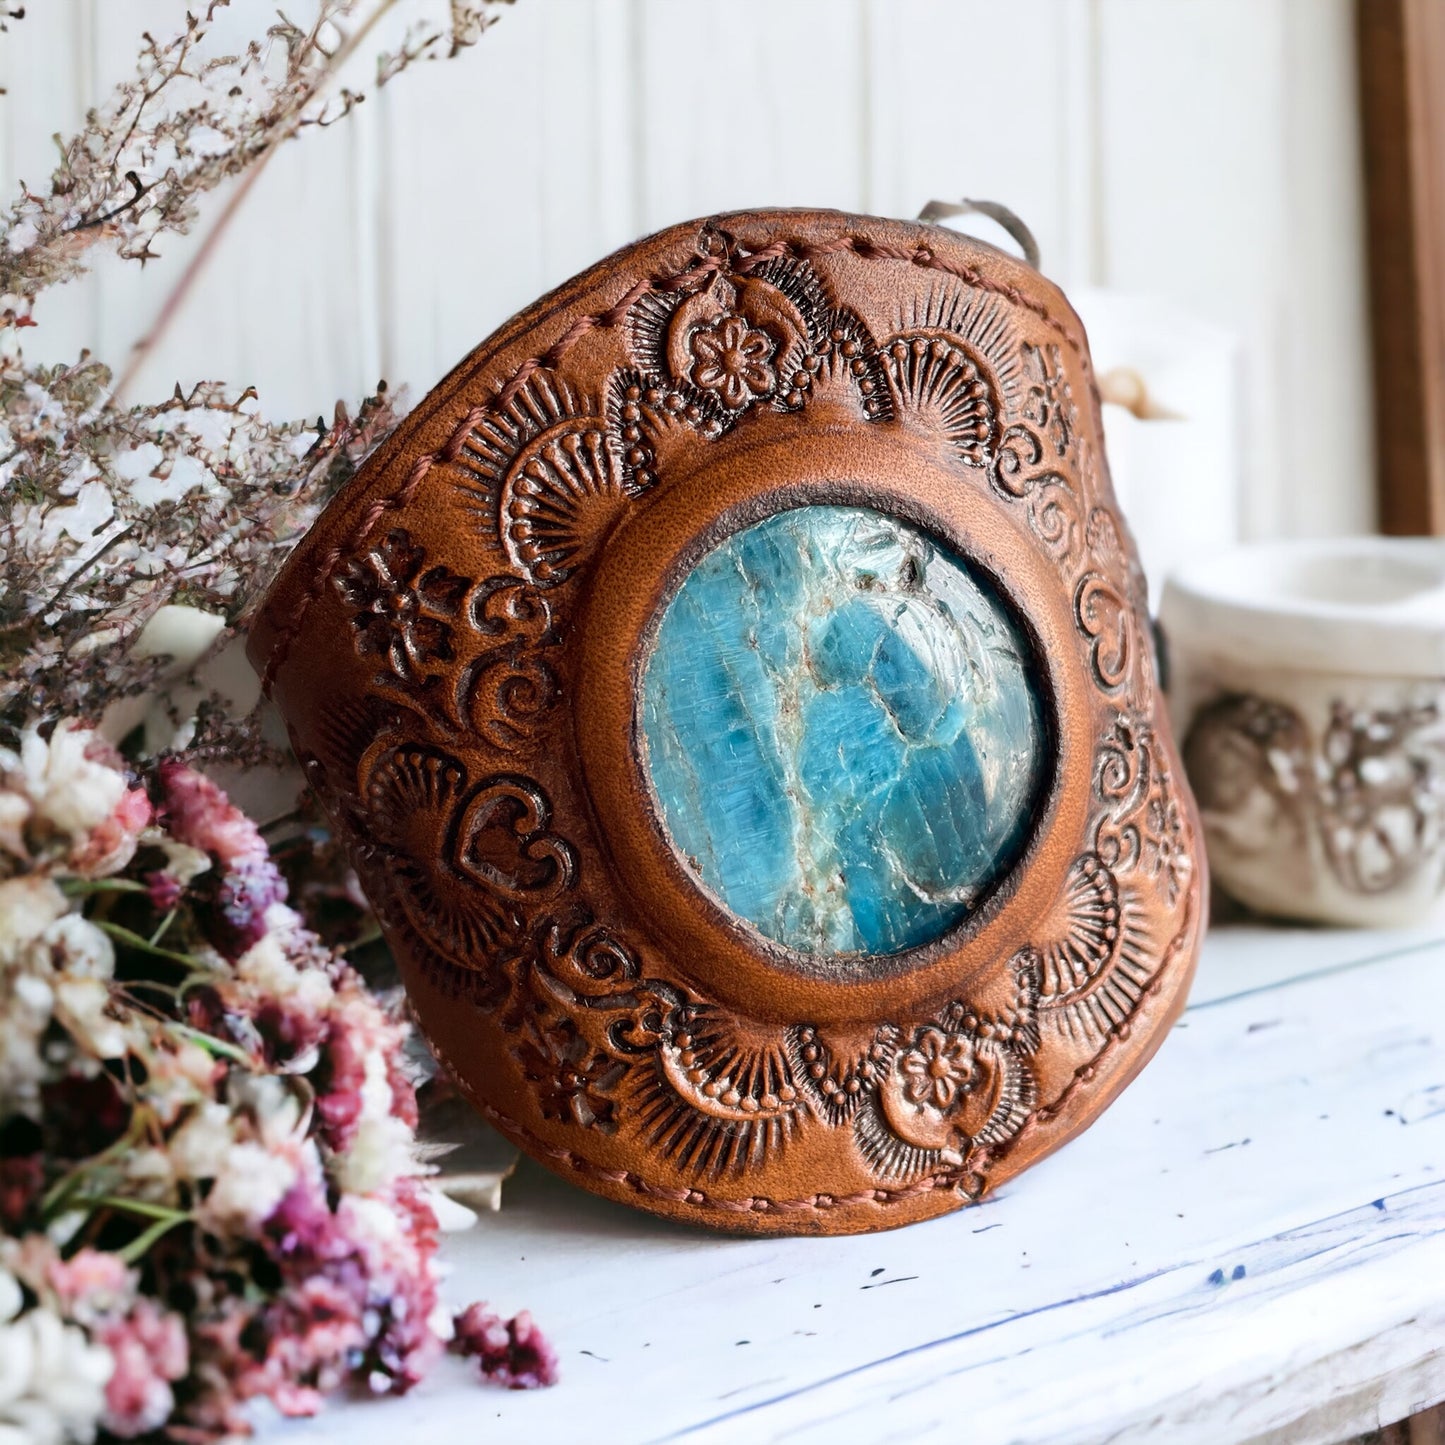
(199, 1148)
(273, 966)
(252, 1180)
(28, 906)
(78, 950)
(382, 1147)
(52, 1376)
(67, 786)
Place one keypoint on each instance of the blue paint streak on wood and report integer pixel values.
(1429, 945)
(1427, 1200)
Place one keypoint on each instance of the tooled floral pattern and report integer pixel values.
(1106, 619)
(402, 609)
(1140, 825)
(937, 1068)
(467, 863)
(1070, 514)
(733, 361)
(491, 641)
(509, 689)
(1049, 403)
(935, 1100)
(574, 1080)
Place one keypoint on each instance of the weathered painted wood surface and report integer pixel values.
(1249, 1245)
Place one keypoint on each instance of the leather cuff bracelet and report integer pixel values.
(734, 686)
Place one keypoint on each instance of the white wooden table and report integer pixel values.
(1249, 1245)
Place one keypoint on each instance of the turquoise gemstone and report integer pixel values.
(843, 731)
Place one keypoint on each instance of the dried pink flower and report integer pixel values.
(200, 815)
(92, 1279)
(513, 1353)
(151, 1353)
(196, 1094)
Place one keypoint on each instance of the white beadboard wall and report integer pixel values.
(1200, 151)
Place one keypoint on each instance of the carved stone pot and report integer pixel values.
(1307, 680)
(734, 686)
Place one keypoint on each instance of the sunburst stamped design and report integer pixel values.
(471, 740)
(1100, 960)
(713, 1098)
(934, 375)
(548, 476)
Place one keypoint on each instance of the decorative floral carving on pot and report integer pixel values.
(1383, 793)
(1366, 796)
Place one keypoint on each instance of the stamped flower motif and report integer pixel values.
(938, 1068)
(404, 609)
(733, 361)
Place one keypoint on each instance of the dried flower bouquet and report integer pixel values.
(210, 1185)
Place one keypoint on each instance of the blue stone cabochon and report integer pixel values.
(843, 730)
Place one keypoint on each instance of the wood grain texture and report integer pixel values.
(1401, 58)
(1247, 1247)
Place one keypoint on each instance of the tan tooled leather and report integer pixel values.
(455, 647)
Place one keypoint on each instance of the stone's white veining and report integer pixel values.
(842, 730)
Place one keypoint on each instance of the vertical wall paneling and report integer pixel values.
(758, 103)
(972, 98)
(505, 172)
(1193, 185)
(283, 303)
(1231, 185)
(1081, 261)
(1201, 151)
(1327, 419)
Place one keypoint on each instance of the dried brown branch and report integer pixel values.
(191, 120)
(111, 510)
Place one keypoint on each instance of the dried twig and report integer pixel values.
(109, 510)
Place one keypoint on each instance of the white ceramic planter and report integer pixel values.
(1307, 685)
